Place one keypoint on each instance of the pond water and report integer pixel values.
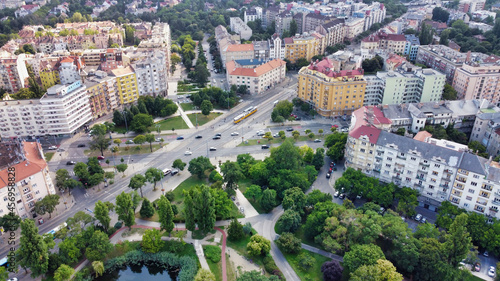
(140, 272)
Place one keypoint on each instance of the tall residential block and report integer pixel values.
(478, 81)
(126, 81)
(303, 46)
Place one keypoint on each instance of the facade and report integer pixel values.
(161, 39)
(257, 78)
(313, 20)
(470, 6)
(282, 21)
(334, 32)
(69, 70)
(49, 73)
(102, 93)
(240, 27)
(32, 181)
(19, 118)
(26, 10)
(126, 81)
(151, 75)
(353, 27)
(252, 14)
(478, 81)
(411, 47)
(372, 14)
(486, 130)
(394, 43)
(407, 84)
(277, 47)
(65, 108)
(270, 15)
(332, 93)
(261, 50)
(13, 73)
(238, 52)
(303, 46)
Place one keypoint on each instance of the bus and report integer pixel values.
(4, 262)
(246, 113)
(276, 102)
(55, 230)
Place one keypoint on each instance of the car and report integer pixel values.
(13, 279)
(174, 172)
(260, 133)
(81, 145)
(234, 134)
(233, 198)
(188, 153)
(166, 172)
(129, 142)
(218, 135)
(159, 139)
(491, 272)
(477, 266)
(328, 175)
(297, 118)
(423, 220)
(100, 157)
(198, 137)
(485, 253)
(216, 138)
(336, 194)
(418, 217)
(70, 163)
(344, 130)
(276, 135)
(332, 164)
(105, 184)
(342, 196)
(335, 126)
(180, 138)
(330, 170)
(265, 146)
(52, 147)
(213, 148)
(317, 140)
(242, 210)
(358, 196)
(289, 129)
(382, 210)
(222, 81)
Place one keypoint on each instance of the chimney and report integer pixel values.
(467, 59)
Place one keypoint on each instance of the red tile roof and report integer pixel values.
(288, 40)
(254, 72)
(371, 132)
(370, 115)
(326, 67)
(33, 164)
(422, 136)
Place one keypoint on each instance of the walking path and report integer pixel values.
(185, 117)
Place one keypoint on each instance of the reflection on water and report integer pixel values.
(140, 272)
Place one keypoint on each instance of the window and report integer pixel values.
(476, 176)
(473, 183)
(437, 165)
(389, 159)
(471, 190)
(388, 165)
(468, 198)
(413, 158)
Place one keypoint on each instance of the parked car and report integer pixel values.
(342, 196)
(213, 148)
(328, 175)
(317, 140)
(418, 217)
(52, 147)
(166, 172)
(129, 142)
(491, 272)
(174, 172)
(485, 253)
(180, 138)
(235, 134)
(289, 129)
(336, 194)
(265, 146)
(216, 138)
(477, 266)
(297, 118)
(188, 153)
(70, 163)
(198, 137)
(218, 135)
(335, 126)
(100, 157)
(159, 139)
(423, 220)
(81, 145)
(382, 210)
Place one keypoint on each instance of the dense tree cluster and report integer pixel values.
(282, 111)
(216, 96)
(373, 65)
(448, 133)
(89, 174)
(440, 14)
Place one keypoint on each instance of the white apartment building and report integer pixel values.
(353, 27)
(277, 48)
(334, 32)
(32, 181)
(68, 71)
(65, 108)
(257, 79)
(151, 75)
(487, 129)
(240, 27)
(20, 118)
(160, 38)
(252, 14)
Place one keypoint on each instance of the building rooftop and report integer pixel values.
(122, 71)
(369, 116)
(371, 132)
(327, 67)
(473, 163)
(240, 48)
(253, 72)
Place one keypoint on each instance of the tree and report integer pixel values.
(124, 209)
(382, 270)
(10, 221)
(140, 139)
(205, 209)
(154, 175)
(141, 122)
(178, 164)
(165, 214)
(235, 230)
(268, 200)
(336, 144)
(443, 38)
(232, 174)
(68, 251)
(151, 241)
(295, 200)
(199, 165)
(255, 275)
(99, 142)
(289, 243)
(98, 247)
(360, 255)
(63, 273)
(458, 242)
(432, 261)
(305, 261)
(147, 209)
(289, 221)
(426, 34)
(440, 14)
(150, 138)
(295, 134)
(189, 212)
(62, 175)
(33, 252)
(449, 93)
(98, 267)
(258, 245)
(318, 159)
(253, 192)
(204, 275)
(137, 182)
(118, 118)
(121, 168)
(332, 270)
(284, 108)
(407, 201)
(47, 204)
(206, 107)
(101, 213)
(223, 204)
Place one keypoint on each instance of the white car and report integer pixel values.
(418, 217)
(235, 134)
(491, 272)
(52, 147)
(188, 153)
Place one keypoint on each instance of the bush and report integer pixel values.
(212, 253)
(247, 228)
(305, 261)
(289, 243)
(215, 176)
(269, 264)
(170, 196)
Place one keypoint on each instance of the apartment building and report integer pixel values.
(69, 70)
(486, 130)
(161, 39)
(111, 59)
(282, 22)
(252, 14)
(334, 32)
(353, 27)
(478, 81)
(332, 93)
(238, 52)
(303, 46)
(239, 26)
(313, 20)
(471, 6)
(102, 93)
(127, 87)
(32, 181)
(406, 84)
(411, 46)
(65, 108)
(270, 15)
(49, 73)
(257, 78)
(277, 47)
(26, 10)
(261, 50)
(151, 75)
(13, 73)
(394, 43)
(372, 14)
(299, 18)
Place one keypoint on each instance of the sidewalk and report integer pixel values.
(184, 116)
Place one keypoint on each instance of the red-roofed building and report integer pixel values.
(332, 93)
(392, 42)
(257, 79)
(238, 52)
(370, 116)
(32, 177)
(26, 10)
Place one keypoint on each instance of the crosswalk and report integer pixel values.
(71, 173)
(86, 195)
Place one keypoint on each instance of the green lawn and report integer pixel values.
(187, 106)
(313, 273)
(216, 268)
(203, 119)
(173, 122)
(475, 278)
(277, 140)
(48, 156)
(125, 149)
(185, 88)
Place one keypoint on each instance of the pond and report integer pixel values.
(140, 272)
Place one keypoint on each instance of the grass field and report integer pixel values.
(313, 273)
(202, 119)
(176, 123)
(185, 88)
(187, 106)
(48, 156)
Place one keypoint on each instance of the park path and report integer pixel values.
(184, 116)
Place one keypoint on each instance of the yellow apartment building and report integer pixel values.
(332, 93)
(49, 74)
(304, 46)
(126, 82)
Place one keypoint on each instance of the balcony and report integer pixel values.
(442, 193)
(462, 180)
(398, 170)
(493, 209)
(421, 177)
(446, 178)
(425, 164)
(444, 186)
(448, 171)
(496, 202)
(401, 157)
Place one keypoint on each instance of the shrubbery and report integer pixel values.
(213, 253)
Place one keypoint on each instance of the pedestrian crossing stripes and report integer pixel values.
(86, 195)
